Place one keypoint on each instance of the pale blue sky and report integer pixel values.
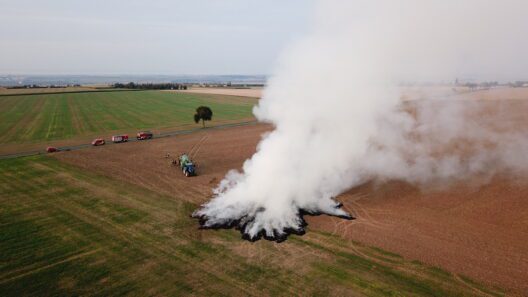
(148, 37)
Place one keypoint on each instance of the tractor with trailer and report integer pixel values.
(186, 165)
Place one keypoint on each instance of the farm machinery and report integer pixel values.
(185, 160)
(186, 165)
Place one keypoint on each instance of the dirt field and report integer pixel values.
(250, 92)
(479, 232)
(471, 228)
(215, 152)
(408, 92)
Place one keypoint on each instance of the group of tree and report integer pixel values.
(489, 84)
(35, 86)
(518, 84)
(150, 86)
(476, 85)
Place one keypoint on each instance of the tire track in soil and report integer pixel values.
(361, 214)
(471, 287)
(196, 146)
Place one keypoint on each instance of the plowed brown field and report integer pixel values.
(476, 229)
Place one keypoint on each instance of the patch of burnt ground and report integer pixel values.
(240, 225)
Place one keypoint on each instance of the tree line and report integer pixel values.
(151, 86)
(35, 86)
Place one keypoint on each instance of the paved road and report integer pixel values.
(161, 135)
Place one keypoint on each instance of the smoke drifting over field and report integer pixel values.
(342, 120)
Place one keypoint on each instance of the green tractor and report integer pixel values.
(186, 165)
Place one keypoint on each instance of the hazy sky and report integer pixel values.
(148, 37)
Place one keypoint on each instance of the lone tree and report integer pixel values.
(203, 113)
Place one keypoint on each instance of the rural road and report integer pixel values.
(160, 135)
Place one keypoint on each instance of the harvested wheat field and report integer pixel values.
(145, 163)
(476, 227)
(255, 92)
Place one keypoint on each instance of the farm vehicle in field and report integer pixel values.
(186, 165)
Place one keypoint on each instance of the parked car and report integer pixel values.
(52, 149)
(119, 138)
(144, 135)
(98, 141)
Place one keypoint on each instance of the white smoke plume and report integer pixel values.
(341, 119)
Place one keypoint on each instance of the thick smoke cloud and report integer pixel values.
(341, 119)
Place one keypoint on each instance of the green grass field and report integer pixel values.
(47, 117)
(68, 232)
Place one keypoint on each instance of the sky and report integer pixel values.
(148, 37)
